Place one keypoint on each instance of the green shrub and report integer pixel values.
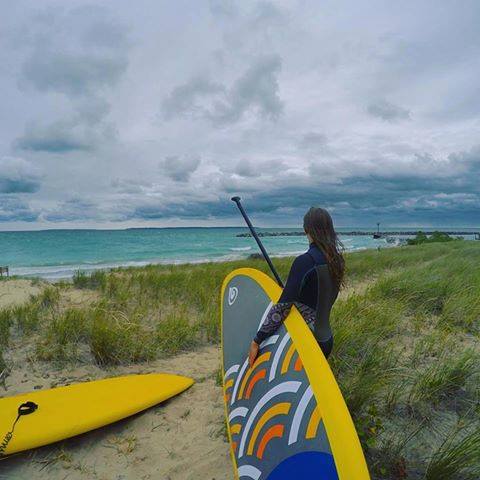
(462, 307)
(435, 237)
(209, 325)
(430, 346)
(457, 457)
(389, 456)
(27, 317)
(363, 377)
(175, 333)
(95, 280)
(62, 335)
(6, 322)
(361, 318)
(115, 339)
(443, 377)
(3, 365)
(363, 357)
(48, 298)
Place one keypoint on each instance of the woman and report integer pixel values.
(313, 284)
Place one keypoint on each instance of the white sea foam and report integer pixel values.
(61, 272)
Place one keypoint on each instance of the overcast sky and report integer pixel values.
(120, 113)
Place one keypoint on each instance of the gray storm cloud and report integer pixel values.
(131, 115)
(72, 73)
(82, 56)
(186, 99)
(180, 168)
(18, 176)
(387, 111)
(57, 137)
(255, 91)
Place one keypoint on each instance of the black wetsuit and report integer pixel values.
(310, 288)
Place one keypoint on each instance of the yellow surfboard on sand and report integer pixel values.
(64, 412)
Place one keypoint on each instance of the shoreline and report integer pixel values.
(56, 256)
(88, 268)
(362, 233)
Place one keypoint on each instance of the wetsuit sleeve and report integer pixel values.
(279, 312)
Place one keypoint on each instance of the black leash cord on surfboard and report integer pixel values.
(259, 243)
(24, 409)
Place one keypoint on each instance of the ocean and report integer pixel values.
(57, 254)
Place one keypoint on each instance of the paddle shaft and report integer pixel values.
(259, 243)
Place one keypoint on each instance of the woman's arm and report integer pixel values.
(279, 312)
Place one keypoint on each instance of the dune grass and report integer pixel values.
(458, 455)
(406, 351)
(62, 335)
(115, 338)
(443, 377)
(26, 317)
(5, 325)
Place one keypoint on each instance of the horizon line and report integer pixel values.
(444, 227)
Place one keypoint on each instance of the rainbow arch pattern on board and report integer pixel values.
(283, 411)
(275, 423)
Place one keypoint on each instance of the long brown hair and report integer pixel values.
(318, 223)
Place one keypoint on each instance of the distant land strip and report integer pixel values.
(356, 233)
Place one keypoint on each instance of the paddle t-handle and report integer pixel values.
(237, 200)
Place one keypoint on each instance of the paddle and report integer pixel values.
(259, 243)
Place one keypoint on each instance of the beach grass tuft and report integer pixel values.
(175, 333)
(443, 377)
(94, 280)
(26, 317)
(117, 339)
(62, 335)
(48, 298)
(457, 457)
(389, 456)
(6, 321)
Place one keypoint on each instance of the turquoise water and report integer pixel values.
(55, 254)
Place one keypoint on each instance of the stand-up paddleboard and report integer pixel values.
(64, 412)
(286, 416)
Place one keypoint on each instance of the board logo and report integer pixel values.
(232, 295)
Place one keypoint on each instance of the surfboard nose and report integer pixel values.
(64, 412)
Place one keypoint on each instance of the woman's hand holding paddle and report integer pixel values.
(252, 354)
